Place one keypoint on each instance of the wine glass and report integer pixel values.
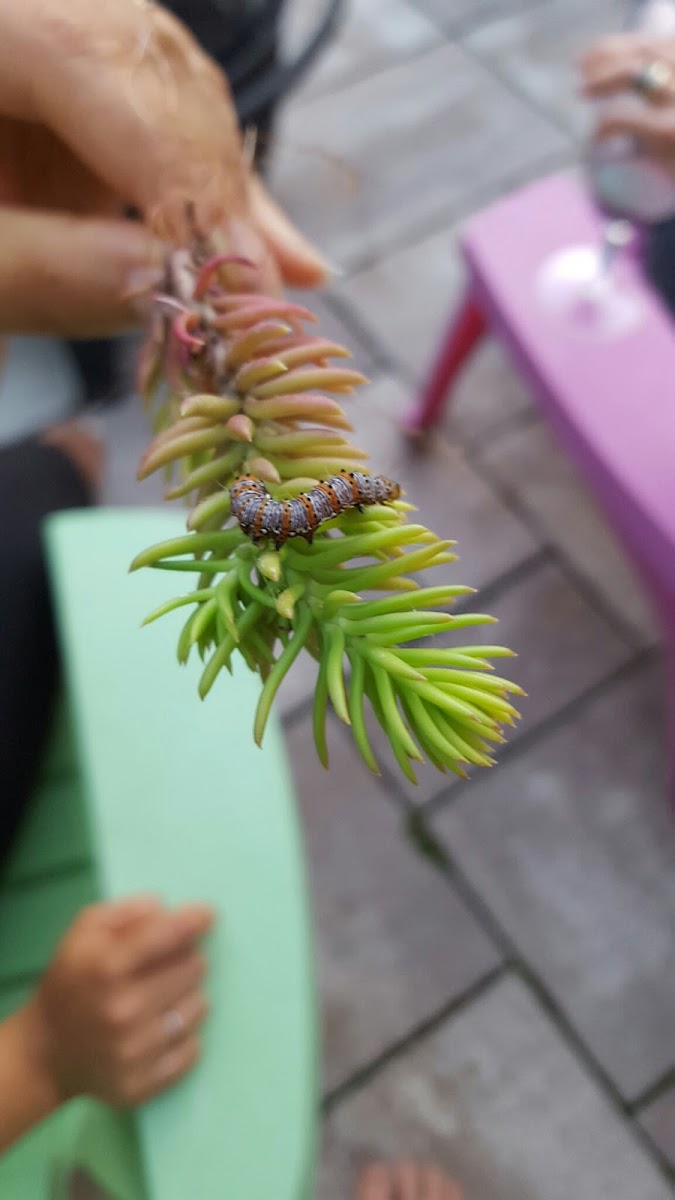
(589, 286)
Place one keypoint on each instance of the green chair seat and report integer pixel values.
(157, 792)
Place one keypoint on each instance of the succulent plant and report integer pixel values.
(236, 386)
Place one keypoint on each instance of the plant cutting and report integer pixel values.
(295, 548)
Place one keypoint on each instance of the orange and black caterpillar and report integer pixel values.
(260, 516)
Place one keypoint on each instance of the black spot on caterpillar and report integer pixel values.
(260, 516)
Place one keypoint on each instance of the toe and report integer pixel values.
(437, 1186)
(406, 1180)
(375, 1183)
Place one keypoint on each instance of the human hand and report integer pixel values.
(623, 64)
(117, 1013)
(108, 106)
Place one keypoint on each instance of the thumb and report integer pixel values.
(71, 276)
(299, 263)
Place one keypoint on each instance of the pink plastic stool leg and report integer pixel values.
(467, 329)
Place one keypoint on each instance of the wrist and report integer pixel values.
(33, 1052)
(28, 1091)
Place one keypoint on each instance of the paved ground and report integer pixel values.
(507, 1003)
(497, 959)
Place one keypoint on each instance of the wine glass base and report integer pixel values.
(592, 303)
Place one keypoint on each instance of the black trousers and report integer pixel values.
(660, 260)
(34, 480)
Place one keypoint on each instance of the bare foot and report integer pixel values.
(406, 1181)
(84, 449)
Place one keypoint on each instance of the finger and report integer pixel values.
(615, 48)
(240, 238)
(69, 276)
(163, 937)
(165, 1070)
(436, 1186)
(299, 262)
(176, 1022)
(37, 170)
(118, 913)
(406, 1181)
(653, 128)
(114, 916)
(165, 988)
(612, 75)
(162, 128)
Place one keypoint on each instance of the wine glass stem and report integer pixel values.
(607, 255)
(616, 235)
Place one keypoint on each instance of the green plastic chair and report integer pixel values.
(146, 789)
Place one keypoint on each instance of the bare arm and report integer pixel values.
(27, 1093)
(103, 106)
(116, 1015)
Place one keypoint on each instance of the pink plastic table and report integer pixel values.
(612, 402)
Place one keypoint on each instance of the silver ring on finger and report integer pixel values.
(174, 1023)
(653, 79)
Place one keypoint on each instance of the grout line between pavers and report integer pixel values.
(383, 359)
(360, 330)
(383, 364)
(514, 962)
(550, 115)
(486, 438)
(665, 1083)
(511, 577)
(488, 593)
(520, 744)
(563, 716)
(585, 586)
(461, 26)
(437, 39)
(455, 214)
(363, 1075)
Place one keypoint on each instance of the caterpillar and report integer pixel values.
(260, 516)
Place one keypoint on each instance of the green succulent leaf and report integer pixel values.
(231, 381)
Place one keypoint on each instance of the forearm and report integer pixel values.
(27, 1094)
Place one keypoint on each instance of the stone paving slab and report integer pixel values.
(564, 649)
(374, 34)
(572, 847)
(455, 15)
(450, 497)
(536, 52)
(365, 166)
(535, 473)
(395, 942)
(497, 1097)
(658, 1119)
